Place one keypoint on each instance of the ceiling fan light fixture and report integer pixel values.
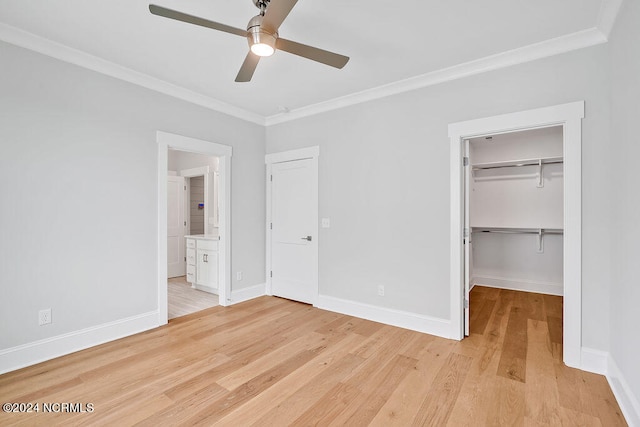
(261, 42)
(262, 49)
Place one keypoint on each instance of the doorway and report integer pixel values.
(568, 117)
(292, 224)
(513, 212)
(192, 213)
(167, 141)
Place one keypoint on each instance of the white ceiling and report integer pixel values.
(388, 41)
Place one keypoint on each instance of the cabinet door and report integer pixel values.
(207, 268)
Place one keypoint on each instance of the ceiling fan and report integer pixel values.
(262, 34)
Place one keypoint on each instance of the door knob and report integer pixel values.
(308, 238)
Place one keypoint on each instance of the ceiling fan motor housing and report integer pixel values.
(258, 35)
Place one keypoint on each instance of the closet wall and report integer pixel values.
(516, 210)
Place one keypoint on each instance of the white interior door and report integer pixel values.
(467, 236)
(175, 226)
(294, 230)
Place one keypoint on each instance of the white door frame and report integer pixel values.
(168, 141)
(570, 117)
(288, 156)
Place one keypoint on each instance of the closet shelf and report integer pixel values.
(516, 230)
(539, 232)
(517, 163)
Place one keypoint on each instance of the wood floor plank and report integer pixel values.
(249, 371)
(417, 345)
(299, 390)
(532, 304)
(599, 397)
(190, 385)
(479, 323)
(571, 418)
(328, 406)
(220, 407)
(514, 348)
(180, 411)
(552, 306)
(401, 407)
(301, 401)
(439, 402)
(271, 361)
(508, 405)
(541, 394)
(554, 325)
(478, 391)
(496, 326)
(372, 397)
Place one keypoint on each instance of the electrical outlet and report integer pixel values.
(326, 222)
(381, 290)
(44, 316)
(239, 275)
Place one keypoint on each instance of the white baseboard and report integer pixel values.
(245, 294)
(519, 285)
(627, 400)
(203, 288)
(594, 361)
(49, 348)
(402, 319)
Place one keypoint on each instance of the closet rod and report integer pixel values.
(517, 231)
(517, 165)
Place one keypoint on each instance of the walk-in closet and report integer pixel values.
(514, 212)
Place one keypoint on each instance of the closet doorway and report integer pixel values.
(516, 212)
(514, 216)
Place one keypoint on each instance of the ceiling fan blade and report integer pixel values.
(276, 12)
(179, 16)
(313, 53)
(248, 67)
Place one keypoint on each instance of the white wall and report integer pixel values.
(384, 168)
(625, 209)
(87, 248)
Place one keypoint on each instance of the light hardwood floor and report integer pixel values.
(274, 362)
(183, 299)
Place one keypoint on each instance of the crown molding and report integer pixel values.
(609, 10)
(59, 51)
(581, 39)
(563, 44)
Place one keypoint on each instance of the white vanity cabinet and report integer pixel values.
(202, 262)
